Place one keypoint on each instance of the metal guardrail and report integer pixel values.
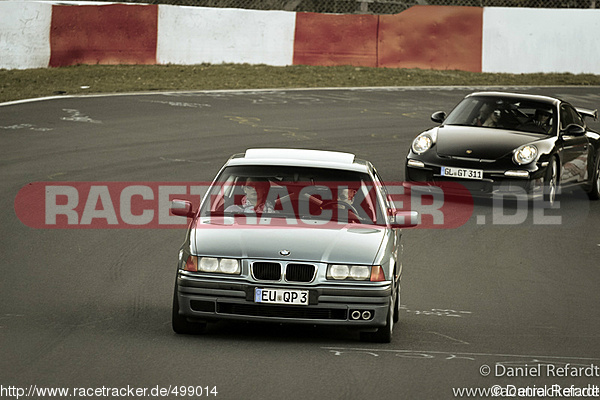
(367, 6)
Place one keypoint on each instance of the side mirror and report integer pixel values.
(438, 116)
(182, 208)
(574, 130)
(405, 219)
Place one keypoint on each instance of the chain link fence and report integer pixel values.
(368, 6)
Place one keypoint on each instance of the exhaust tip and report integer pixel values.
(364, 315)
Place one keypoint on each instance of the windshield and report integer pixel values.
(504, 113)
(309, 194)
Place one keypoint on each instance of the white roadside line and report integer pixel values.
(242, 91)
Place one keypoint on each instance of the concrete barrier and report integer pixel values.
(432, 37)
(24, 35)
(107, 34)
(428, 37)
(526, 40)
(329, 40)
(195, 35)
(512, 40)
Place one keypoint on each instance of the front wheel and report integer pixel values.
(397, 304)
(551, 183)
(384, 333)
(594, 193)
(180, 324)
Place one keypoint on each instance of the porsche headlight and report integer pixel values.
(423, 142)
(525, 154)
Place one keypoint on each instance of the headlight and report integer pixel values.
(423, 142)
(211, 264)
(360, 272)
(525, 154)
(338, 272)
(208, 264)
(355, 272)
(229, 266)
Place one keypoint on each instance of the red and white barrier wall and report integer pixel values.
(512, 40)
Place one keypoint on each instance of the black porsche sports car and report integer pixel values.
(494, 142)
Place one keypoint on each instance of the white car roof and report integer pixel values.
(300, 158)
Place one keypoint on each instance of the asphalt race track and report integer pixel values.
(90, 308)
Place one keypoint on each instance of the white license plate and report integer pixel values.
(281, 296)
(463, 173)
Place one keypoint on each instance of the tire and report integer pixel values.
(594, 193)
(551, 184)
(384, 333)
(180, 324)
(397, 304)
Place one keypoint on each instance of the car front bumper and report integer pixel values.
(494, 182)
(219, 298)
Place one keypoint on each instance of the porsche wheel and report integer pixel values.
(594, 192)
(551, 183)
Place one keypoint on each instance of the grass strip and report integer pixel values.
(88, 79)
